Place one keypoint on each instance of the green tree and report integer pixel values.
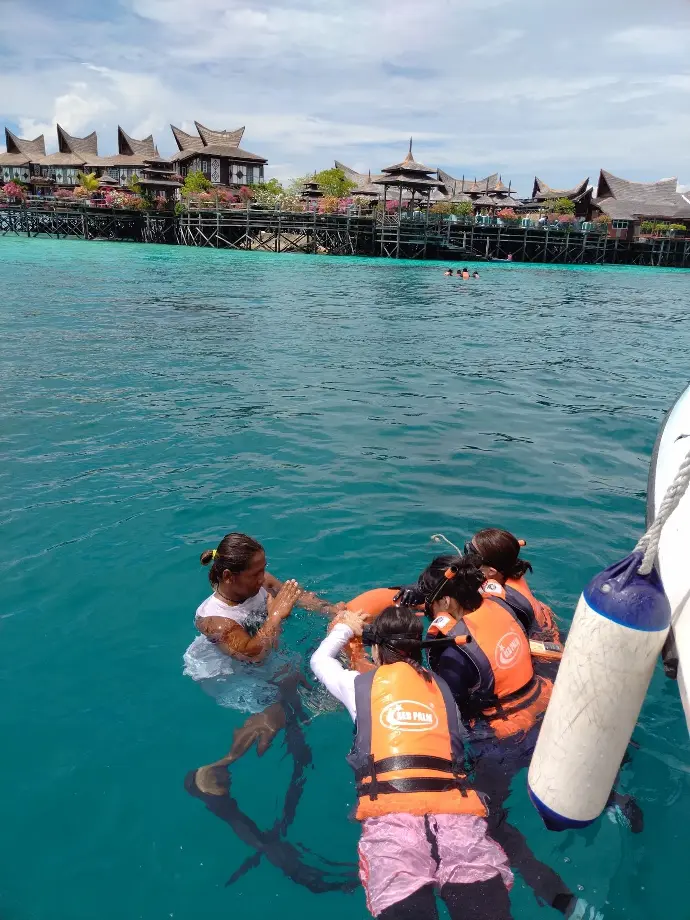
(334, 182)
(88, 181)
(134, 185)
(194, 183)
(272, 187)
(562, 206)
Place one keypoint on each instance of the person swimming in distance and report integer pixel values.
(465, 274)
(475, 274)
(236, 656)
(423, 822)
(448, 273)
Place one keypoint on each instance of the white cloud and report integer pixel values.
(654, 40)
(482, 86)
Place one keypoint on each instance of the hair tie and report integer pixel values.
(522, 542)
(214, 553)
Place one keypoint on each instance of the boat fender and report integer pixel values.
(620, 626)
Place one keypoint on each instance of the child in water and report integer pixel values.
(448, 273)
(423, 824)
(465, 274)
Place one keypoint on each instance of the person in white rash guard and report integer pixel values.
(423, 825)
(236, 658)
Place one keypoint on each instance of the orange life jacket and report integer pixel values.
(508, 694)
(546, 629)
(537, 619)
(408, 751)
(372, 602)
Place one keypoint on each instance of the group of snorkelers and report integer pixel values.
(463, 273)
(447, 704)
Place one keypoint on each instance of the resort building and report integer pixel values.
(543, 195)
(216, 154)
(628, 204)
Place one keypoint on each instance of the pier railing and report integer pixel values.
(357, 233)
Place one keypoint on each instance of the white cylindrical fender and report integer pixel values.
(619, 628)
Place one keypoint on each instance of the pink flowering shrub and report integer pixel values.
(245, 194)
(507, 214)
(566, 218)
(63, 194)
(391, 206)
(114, 198)
(14, 191)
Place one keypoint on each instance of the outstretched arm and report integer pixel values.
(329, 671)
(307, 599)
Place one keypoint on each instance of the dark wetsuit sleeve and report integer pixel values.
(458, 672)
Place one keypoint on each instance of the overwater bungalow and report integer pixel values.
(544, 195)
(628, 203)
(216, 154)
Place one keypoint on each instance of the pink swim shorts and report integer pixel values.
(397, 855)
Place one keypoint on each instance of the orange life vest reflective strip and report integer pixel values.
(408, 751)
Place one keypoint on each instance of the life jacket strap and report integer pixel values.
(413, 784)
(522, 698)
(406, 762)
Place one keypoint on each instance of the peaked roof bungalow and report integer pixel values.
(623, 200)
(218, 155)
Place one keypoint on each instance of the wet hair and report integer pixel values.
(234, 553)
(501, 550)
(463, 586)
(405, 629)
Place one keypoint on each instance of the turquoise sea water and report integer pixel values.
(341, 411)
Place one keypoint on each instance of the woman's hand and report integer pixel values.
(356, 621)
(281, 605)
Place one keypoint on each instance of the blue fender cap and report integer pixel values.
(636, 601)
(552, 819)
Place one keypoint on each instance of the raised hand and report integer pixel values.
(281, 605)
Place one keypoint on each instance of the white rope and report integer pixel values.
(439, 537)
(649, 543)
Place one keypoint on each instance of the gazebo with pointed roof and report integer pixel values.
(409, 175)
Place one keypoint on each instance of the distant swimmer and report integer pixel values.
(423, 821)
(236, 658)
(465, 274)
(448, 273)
(475, 274)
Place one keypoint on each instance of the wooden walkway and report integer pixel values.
(336, 234)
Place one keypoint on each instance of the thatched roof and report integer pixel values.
(62, 159)
(544, 191)
(464, 186)
(622, 199)
(224, 138)
(636, 209)
(14, 159)
(77, 145)
(186, 141)
(408, 165)
(20, 145)
(488, 201)
(216, 150)
(610, 186)
(130, 146)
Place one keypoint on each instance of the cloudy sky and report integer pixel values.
(514, 86)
